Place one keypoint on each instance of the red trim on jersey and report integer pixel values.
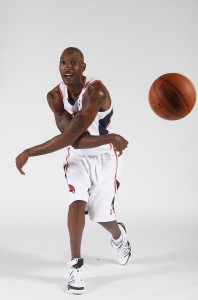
(60, 92)
(66, 165)
(115, 176)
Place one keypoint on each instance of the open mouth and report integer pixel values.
(68, 75)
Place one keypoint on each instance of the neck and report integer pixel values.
(75, 90)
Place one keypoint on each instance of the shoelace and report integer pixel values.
(76, 275)
(124, 249)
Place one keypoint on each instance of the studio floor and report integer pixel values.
(164, 264)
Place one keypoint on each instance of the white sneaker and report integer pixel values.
(76, 284)
(123, 250)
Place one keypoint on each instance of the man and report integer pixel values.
(83, 109)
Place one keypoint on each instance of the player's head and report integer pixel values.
(78, 51)
(72, 65)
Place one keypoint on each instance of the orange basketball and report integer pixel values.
(172, 96)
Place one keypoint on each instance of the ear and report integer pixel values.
(83, 67)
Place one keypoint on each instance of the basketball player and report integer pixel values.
(83, 109)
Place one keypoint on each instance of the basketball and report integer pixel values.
(172, 96)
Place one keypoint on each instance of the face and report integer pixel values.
(71, 68)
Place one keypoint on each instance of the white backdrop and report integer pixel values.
(127, 44)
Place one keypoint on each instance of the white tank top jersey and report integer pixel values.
(100, 125)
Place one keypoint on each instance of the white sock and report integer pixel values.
(118, 241)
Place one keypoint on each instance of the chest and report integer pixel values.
(72, 106)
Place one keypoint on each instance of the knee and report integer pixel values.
(78, 205)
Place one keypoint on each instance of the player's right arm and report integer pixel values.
(62, 118)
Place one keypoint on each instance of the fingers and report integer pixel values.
(120, 153)
(21, 160)
(118, 150)
(119, 144)
(21, 171)
(19, 167)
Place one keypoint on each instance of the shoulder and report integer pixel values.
(97, 93)
(96, 88)
(55, 100)
(54, 93)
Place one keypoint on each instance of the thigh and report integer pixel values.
(77, 178)
(102, 193)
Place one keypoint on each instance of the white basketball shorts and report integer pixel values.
(94, 179)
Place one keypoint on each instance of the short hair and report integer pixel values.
(75, 49)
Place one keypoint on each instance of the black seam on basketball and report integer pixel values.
(163, 104)
(177, 92)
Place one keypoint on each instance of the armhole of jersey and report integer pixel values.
(60, 91)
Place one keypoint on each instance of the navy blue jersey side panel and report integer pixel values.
(117, 184)
(103, 123)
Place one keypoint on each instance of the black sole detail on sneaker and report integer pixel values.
(75, 290)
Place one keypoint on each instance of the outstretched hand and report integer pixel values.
(119, 143)
(21, 160)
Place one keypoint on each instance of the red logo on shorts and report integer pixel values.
(71, 188)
